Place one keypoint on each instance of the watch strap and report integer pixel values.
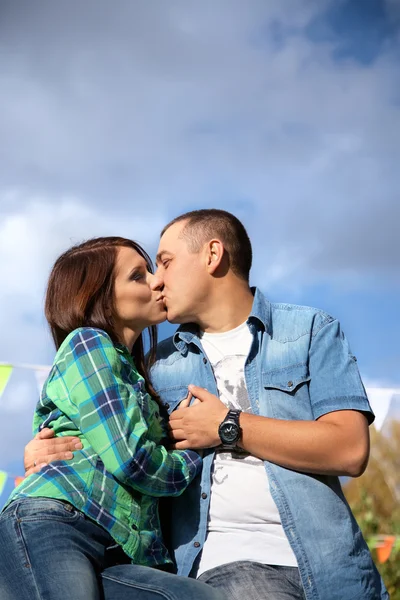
(233, 414)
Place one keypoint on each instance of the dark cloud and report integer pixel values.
(361, 30)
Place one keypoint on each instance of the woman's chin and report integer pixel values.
(162, 318)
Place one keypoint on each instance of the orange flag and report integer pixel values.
(383, 550)
(18, 480)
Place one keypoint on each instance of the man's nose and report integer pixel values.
(155, 281)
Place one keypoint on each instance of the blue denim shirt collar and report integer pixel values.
(261, 310)
(260, 315)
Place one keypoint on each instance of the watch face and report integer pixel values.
(229, 432)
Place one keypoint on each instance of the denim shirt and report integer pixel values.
(300, 367)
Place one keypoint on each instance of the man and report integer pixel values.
(267, 519)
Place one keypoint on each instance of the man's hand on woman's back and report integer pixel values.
(46, 448)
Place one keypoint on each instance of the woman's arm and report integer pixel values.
(87, 386)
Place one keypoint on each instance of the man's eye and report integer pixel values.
(165, 263)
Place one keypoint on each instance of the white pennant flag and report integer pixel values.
(41, 376)
(379, 399)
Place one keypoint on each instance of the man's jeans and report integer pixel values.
(49, 551)
(245, 580)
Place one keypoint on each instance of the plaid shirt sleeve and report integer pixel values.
(106, 410)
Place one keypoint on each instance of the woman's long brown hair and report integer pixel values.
(80, 293)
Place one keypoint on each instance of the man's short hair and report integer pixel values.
(203, 225)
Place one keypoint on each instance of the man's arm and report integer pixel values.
(336, 444)
(45, 448)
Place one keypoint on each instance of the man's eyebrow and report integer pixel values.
(161, 254)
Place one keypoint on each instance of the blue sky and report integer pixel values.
(283, 112)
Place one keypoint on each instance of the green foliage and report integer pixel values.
(371, 526)
(390, 572)
(375, 502)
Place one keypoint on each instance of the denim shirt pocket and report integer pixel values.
(287, 394)
(171, 397)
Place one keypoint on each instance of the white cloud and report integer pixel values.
(32, 234)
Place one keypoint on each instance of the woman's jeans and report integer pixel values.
(50, 551)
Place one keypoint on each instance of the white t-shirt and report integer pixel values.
(243, 520)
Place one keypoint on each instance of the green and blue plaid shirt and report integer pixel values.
(94, 392)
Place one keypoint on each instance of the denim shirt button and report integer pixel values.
(166, 405)
(204, 495)
(204, 360)
(196, 544)
(290, 383)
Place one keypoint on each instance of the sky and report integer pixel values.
(117, 117)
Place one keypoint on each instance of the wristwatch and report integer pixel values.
(229, 430)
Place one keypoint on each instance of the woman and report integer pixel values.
(64, 526)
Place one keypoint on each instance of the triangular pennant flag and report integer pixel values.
(18, 479)
(41, 376)
(5, 372)
(384, 550)
(379, 399)
(3, 479)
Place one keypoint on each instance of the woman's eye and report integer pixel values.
(136, 276)
(165, 264)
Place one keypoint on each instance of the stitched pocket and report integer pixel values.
(287, 392)
(40, 509)
(286, 379)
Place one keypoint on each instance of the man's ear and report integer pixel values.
(215, 253)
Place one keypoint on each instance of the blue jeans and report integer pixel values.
(245, 580)
(49, 550)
